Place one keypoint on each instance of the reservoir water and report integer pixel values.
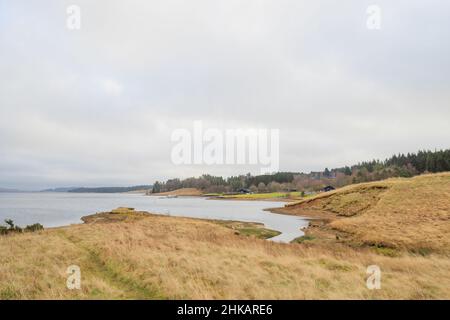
(60, 209)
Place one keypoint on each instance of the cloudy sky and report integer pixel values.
(97, 106)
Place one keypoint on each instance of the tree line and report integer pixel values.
(400, 165)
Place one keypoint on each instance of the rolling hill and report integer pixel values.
(399, 213)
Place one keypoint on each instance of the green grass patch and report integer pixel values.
(109, 271)
(269, 195)
(112, 272)
(303, 239)
(421, 251)
(385, 251)
(250, 229)
(260, 233)
(9, 293)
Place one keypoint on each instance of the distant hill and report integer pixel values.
(66, 189)
(110, 189)
(9, 190)
(99, 189)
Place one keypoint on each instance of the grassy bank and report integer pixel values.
(400, 214)
(161, 257)
(183, 192)
(273, 196)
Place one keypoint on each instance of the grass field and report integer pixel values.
(160, 257)
(265, 196)
(183, 192)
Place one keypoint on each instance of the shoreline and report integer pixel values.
(268, 199)
(280, 231)
(255, 224)
(246, 228)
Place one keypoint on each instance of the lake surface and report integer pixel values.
(60, 209)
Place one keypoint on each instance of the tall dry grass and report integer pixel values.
(165, 257)
(411, 214)
(158, 257)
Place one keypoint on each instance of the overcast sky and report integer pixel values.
(97, 106)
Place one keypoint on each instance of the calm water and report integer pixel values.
(59, 209)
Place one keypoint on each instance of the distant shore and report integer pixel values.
(269, 196)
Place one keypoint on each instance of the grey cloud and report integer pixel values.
(97, 106)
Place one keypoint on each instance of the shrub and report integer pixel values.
(302, 239)
(34, 227)
(10, 223)
(3, 230)
(13, 228)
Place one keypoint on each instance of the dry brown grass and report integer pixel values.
(167, 257)
(184, 192)
(154, 257)
(412, 214)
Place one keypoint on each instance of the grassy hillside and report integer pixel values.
(412, 214)
(135, 255)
